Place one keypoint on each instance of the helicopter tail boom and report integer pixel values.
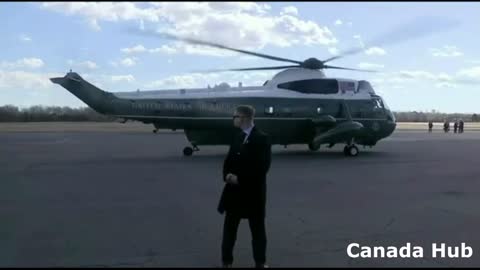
(85, 91)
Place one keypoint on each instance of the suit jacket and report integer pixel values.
(250, 162)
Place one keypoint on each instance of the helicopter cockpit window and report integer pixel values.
(384, 105)
(312, 86)
(378, 109)
(377, 104)
(366, 109)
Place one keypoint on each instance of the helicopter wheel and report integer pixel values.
(187, 151)
(351, 150)
(155, 130)
(313, 147)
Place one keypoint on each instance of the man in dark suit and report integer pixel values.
(244, 195)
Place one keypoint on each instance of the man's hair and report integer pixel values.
(246, 110)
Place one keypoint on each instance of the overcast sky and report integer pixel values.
(439, 71)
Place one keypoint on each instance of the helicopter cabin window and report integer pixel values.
(312, 86)
(269, 110)
(286, 111)
(346, 86)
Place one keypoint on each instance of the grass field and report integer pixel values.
(138, 126)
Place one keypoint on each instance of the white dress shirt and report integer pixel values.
(247, 131)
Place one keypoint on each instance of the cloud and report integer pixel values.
(179, 81)
(178, 48)
(469, 74)
(446, 51)
(93, 23)
(136, 49)
(89, 65)
(26, 80)
(333, 51)
(95, 11)
(360, 40)
(119, 78)
(85, 64)
(400, 79)
(167, 49)
(364, 65)
(475, 62)
(199, 80)
(419, 74)
(446, 85)
(289, 10)
(465, 76)
(338, 22)
(25, 38)
(128, 62)
(245, 25)
(375, 51)
(23, 63)
(239, 6)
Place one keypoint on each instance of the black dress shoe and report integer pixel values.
(226, 265)
(261, 265)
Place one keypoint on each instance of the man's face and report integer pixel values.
(239, 120)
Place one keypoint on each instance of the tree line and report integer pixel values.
(11, 113)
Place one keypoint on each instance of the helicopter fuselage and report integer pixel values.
(287, 119)
(290, 112)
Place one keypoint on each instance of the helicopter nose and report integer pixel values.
(390, 128)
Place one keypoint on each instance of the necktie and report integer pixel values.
(242, 137)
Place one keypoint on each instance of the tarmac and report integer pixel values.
(119, 199)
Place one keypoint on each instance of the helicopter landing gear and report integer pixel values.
(313, 147)
(351, 150)
(188, 151)
(155, 130)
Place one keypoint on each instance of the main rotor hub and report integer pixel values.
(312, 63)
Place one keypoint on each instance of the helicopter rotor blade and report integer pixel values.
(421, 27)
(212, 44)
(354, 69)
(247, 69)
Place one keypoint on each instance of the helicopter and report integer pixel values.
(298, 105)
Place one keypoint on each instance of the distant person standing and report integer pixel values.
(446, 126)
(460, 126)
(430, 126)
(244, 195)
(455, 126)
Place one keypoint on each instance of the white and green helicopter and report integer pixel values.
(299, 105)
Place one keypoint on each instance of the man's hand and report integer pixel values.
(231, 179)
